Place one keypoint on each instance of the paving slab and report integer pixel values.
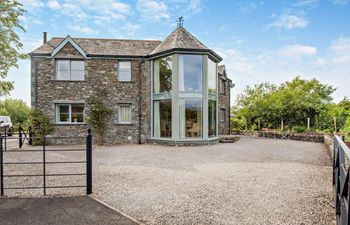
(69, 211)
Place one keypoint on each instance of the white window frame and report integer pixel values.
(70, 69)
(119, 68)
(69, 113)
(119, 114)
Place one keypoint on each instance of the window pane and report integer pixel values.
(77, 75)
(124, 75)
(62, 70)
(191, 118)
(124, 71)
(63, 113)
(162, 118)
(212, 75)
(190, 73)
(211, 118)
(63, 65)
(162, 75)
(77, 113)
(77, 65)
(124, 114)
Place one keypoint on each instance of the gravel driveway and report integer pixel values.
(253, 181)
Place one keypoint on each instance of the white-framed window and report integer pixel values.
(124, 71)
(67, 69)
(70, 113)
(124, 113)
(222, 115)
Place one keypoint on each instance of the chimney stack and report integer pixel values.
(44, 37)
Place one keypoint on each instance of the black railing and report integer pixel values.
(341, 170)
(87, 162)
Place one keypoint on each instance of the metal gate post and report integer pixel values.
(44, 163)
(1, 168)
(20, 137)
(89, 162)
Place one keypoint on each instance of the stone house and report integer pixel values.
(170, 91)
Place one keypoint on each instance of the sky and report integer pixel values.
(259, 41)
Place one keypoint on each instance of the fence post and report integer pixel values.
(44, 162)
(1, 168)
(89, 162)
(30, 141)
(20, 137)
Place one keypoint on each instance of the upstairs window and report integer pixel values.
(124, 71)
(70, 69)
(70, 113)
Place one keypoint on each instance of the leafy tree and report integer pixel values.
(265, 105)
(17, 109)
(10, 11)
(40, 125)
(99, 114)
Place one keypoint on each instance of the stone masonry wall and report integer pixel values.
(99, 73)
(224, 103)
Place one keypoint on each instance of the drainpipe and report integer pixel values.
(140, 100)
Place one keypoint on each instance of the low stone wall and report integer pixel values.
(170, 142)
(312, 137)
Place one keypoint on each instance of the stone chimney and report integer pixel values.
(44, 37)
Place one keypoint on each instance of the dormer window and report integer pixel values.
(67, 69)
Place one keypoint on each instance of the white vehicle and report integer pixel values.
(5, 122)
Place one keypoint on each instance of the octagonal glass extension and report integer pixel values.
(184, 97)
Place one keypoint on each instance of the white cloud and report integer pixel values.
(73, 10)
(53, 4)
(195, 6)
(121, 7)
(131, 28)
(153, 10)
(302, 3)
(289, 21)
(296, 52)
(339, 2)
(340, 50)
(80, 29)
(32, 4)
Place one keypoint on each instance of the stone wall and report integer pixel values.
(224, 103)
(99, 73)
(312, 137)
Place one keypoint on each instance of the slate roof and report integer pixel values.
(179, 40)
(105, 47)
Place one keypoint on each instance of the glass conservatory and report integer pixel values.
(184, 97)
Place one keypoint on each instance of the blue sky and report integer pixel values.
(260, 41)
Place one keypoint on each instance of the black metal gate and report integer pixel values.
(13, 145)
(341, 169)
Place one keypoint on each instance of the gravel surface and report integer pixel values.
(253, 181)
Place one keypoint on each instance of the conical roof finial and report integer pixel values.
(180, 22)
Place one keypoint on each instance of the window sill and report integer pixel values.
(126, 82)
(52, 80)
(69, 123)
(126, 124)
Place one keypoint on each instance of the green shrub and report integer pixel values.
(40, 125)
(299, 129)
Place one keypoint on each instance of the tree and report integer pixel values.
(10, 11)
(17, 109)
(265, 104)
